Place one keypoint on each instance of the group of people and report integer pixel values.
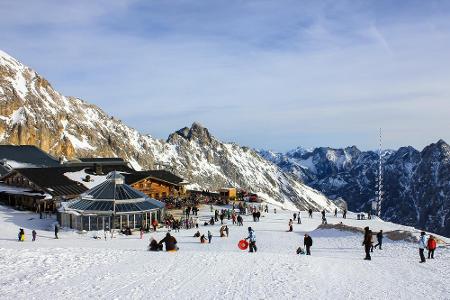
(21, 234)
(430, 244)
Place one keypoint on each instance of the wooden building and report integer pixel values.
(157, 184)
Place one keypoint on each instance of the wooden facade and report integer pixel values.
(158, 189)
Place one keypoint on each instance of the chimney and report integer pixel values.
(98, 169)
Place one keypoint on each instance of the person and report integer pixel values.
(211, 222)
(290, 225)
(310, 211)
(154, 245)
(379, 240)
(299, 220)
(221, 218)
(422, 246)
(188, 212)
(367, 243)
(344, 214)
(227, 230)
(307, 242)
(431, 245)
(33, 234)
(209, 237)
(222, 231)
(203, 239)
(216, 215)
(295, 216)
(170, 242)
(252, 238)
(154, 225)
(335, 212)
(233, 217)
(197, 234)
(324, 219)
(56, 231)
(240, 220)
(21, 235)
(104, 234)
(142, 233)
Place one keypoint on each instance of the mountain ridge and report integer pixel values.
(33, 113)
(416, 183)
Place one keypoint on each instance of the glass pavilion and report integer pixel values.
(111, 205)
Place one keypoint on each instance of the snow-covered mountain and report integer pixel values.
(416, 183)
(33, 113)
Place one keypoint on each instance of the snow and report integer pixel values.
(18, 116)
(77, 143)
(135, 165)
(78, 266)
(308, 164)
(17, 165)
(79, 176)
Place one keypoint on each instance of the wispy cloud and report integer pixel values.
(273, 74)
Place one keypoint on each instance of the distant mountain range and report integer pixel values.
(416, 183)
(33, 113)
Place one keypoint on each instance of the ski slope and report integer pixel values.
(79, 267)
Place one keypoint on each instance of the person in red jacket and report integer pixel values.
(431, 245)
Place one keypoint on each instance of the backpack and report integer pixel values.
(300, 250)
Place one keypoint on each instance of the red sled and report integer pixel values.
(243, 244)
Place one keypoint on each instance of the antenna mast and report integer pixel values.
(380, 179)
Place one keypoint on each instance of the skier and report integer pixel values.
(335, 212)
(379, 240)
(56, 231)
(344, 214)
(295, 216)
(216, 215)
(209, 237)
(310, 211)
(221, 218)
(227, 230)
(422, 246)
(290, 225)
(367, 243)
(170, 242)
(33, 234)
(307, 242)
(252, 238)
(431, 247)
(299, 220)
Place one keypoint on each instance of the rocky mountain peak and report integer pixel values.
(196, 132)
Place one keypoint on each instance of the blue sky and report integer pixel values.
(265, 74)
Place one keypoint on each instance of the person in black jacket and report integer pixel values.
(307, 242)
(367, 243)
(170, 242)
(379, 240)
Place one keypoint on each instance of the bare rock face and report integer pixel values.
(33, 113)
